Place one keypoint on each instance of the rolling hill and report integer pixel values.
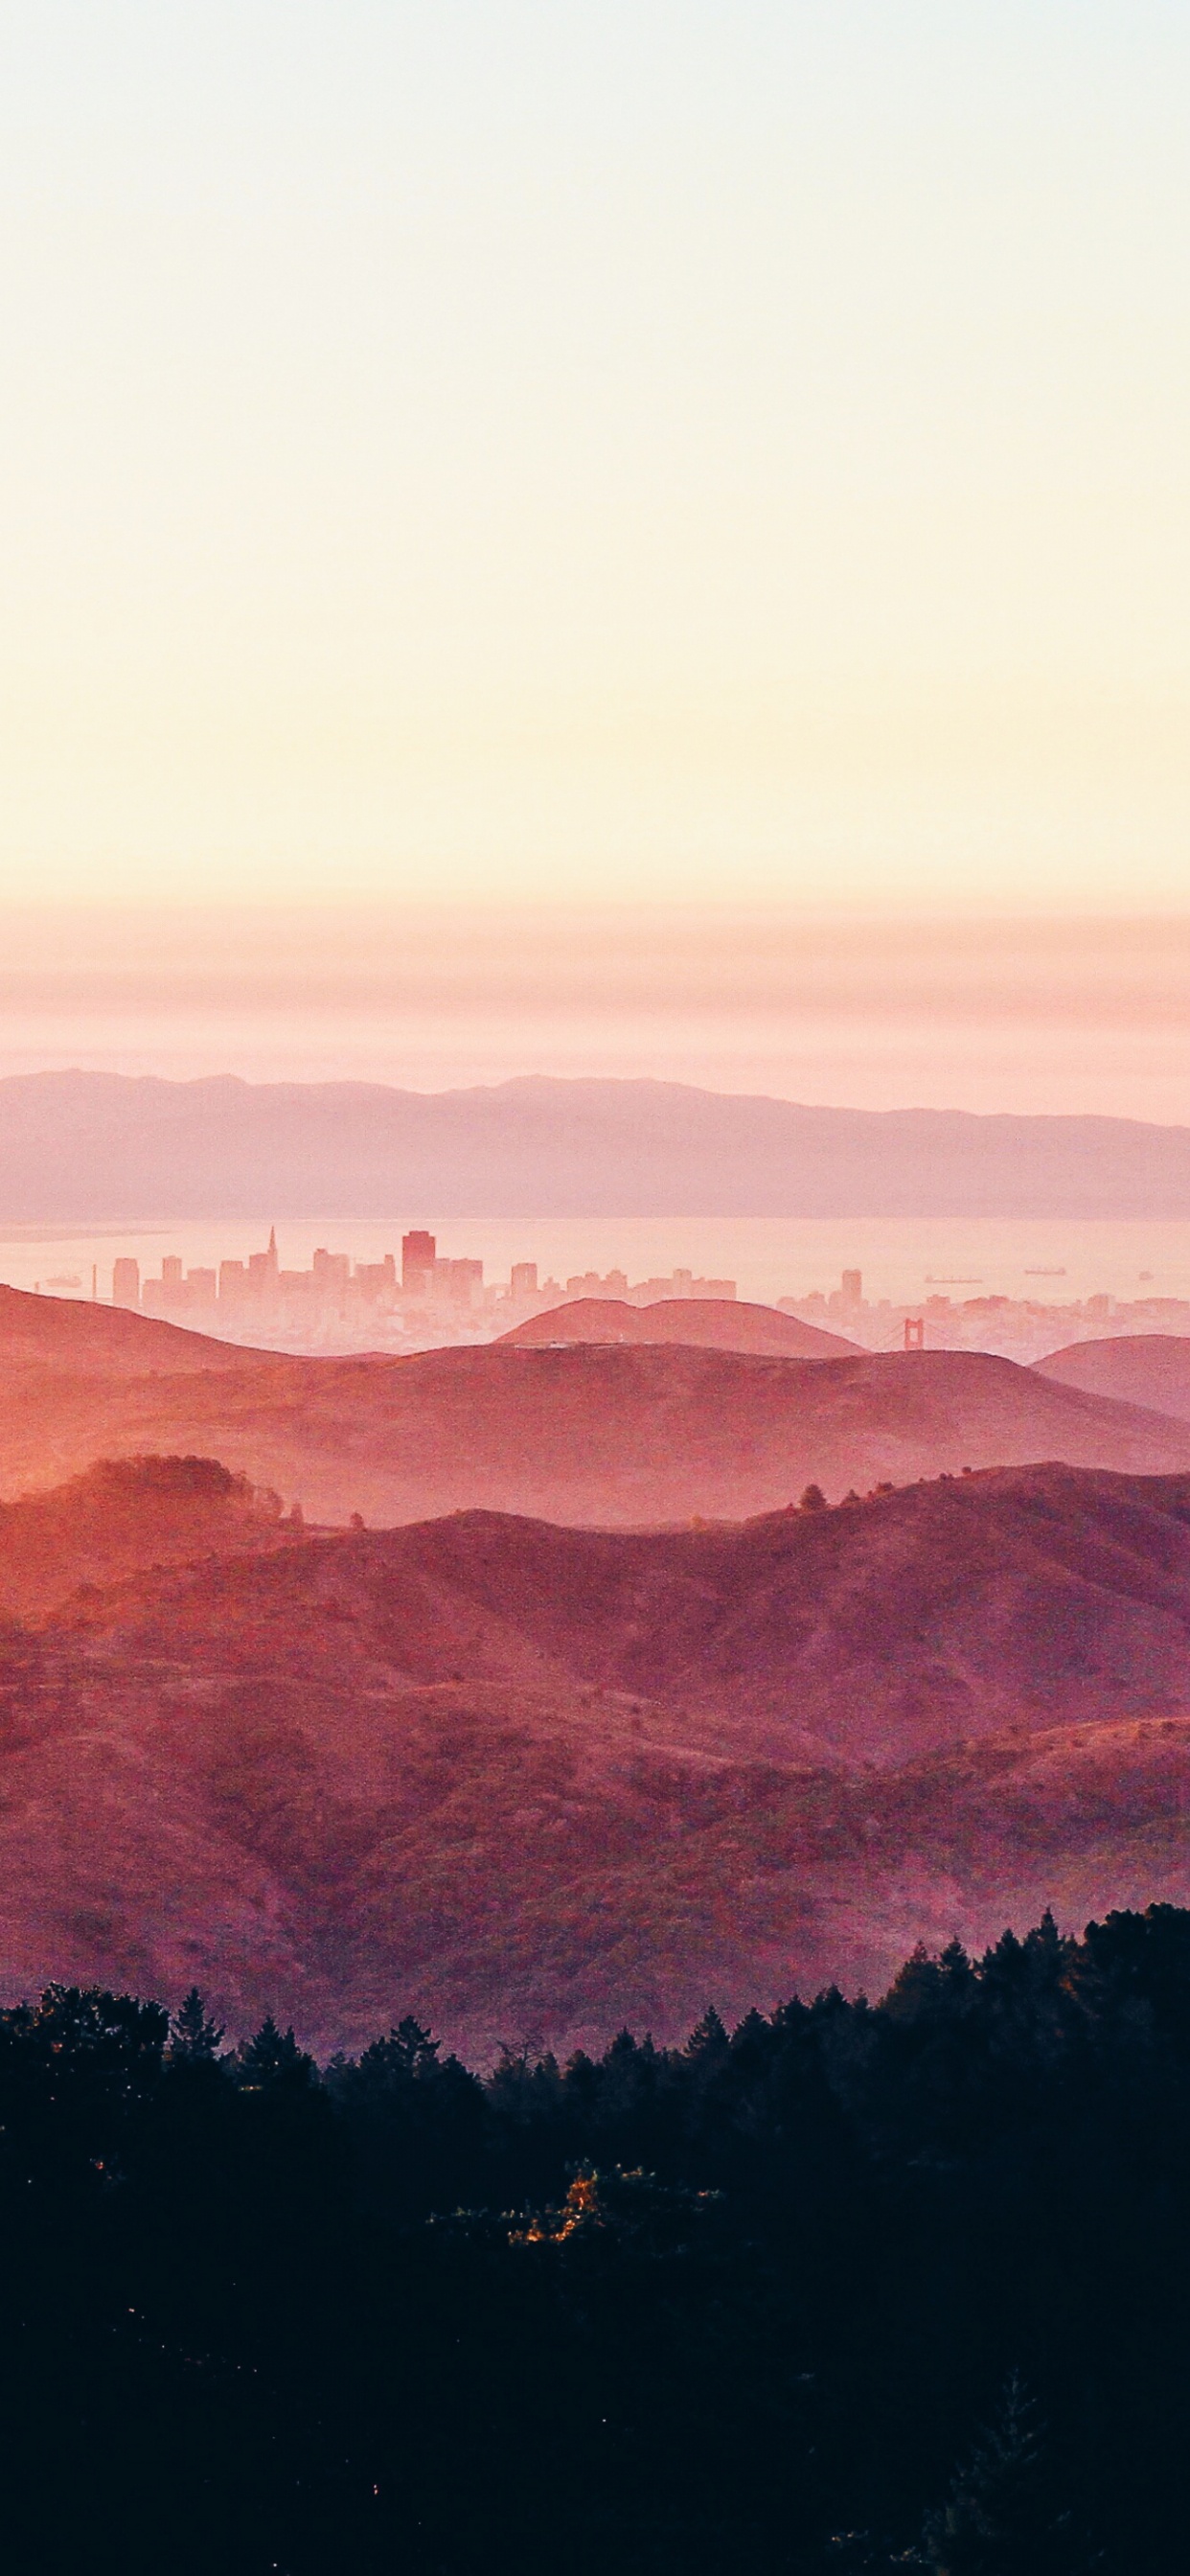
(122, 1515)
(874, 1632)
(591, 1433)
(1152, 1369)
(700, 1323)
(104, 1341)
(516, 1778)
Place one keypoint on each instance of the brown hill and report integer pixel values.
(517, 1778)
(1152, 1369)
(701, 1323)
(100, 1340)
(874, 1632)
(586, 1433)
(123, 1515)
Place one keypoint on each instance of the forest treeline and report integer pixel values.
(850, 2287)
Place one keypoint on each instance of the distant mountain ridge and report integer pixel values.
(87, 1147)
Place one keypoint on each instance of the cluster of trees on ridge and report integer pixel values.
(852, 2287)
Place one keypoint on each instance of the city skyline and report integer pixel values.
(431, 1296)
(431, 1300)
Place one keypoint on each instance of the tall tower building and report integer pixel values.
(418, 1253)
(126, 1282)
(262, 1268)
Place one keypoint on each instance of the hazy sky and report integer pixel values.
(498, 452)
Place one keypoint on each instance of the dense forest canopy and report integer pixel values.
(853, 2285)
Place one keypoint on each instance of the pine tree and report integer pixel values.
(273, 2059)
(708, 2043)
(999, 2518)
(191, 2033)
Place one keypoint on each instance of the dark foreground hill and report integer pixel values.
(515, 1778)
(93, 1146)
(701, 1323)
(591, 1433)
(1152, 1369)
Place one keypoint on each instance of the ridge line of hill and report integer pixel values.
(593, 1433)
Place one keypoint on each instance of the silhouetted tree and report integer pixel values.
(999, 2518)
(272, 2061)
(709, 2303)
(192, 2033)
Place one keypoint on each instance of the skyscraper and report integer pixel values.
(418, 1252)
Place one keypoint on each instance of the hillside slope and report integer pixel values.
(123, 1515)
(104, 1341)
(590, 1433)
(874, 1632)
(513, 1778)
(700, 1323)
(1152, 1369)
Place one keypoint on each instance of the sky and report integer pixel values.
(599, 538)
